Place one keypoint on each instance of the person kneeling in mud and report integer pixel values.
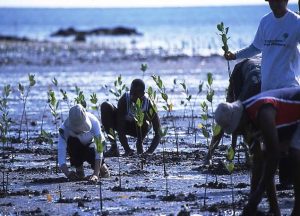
(244, 82)
(121, 119)
(76, 137)
(274, 116)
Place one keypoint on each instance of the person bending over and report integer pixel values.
(120, 119)
(76, 137)
(274, 116)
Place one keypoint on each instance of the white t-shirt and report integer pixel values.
(85, 138)
(277, 39)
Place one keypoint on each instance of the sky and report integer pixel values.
(126, 3)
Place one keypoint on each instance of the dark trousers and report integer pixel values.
(79, 153)
(285, 170)
(109, 121)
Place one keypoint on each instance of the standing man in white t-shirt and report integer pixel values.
(277, 38)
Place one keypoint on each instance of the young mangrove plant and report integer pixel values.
(5, 122)
(209, 128)
(168, 107)
(200, 87)
(186, 102)
(139, 120)
(53, 105)
(80, 99)
(230, 167)
(163, 134)
(100, 148)
(113, 137)
(24, 93)
(119, 88)
(223, 33)
(143, 68)
(94, 101)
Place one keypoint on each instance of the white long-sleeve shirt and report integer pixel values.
(85, 138)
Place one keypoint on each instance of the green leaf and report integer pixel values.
(230, 154)
(54, 81)
(205, 132)
(21, 88)
(163, 131)
(209, 79)
(217, 129)
(200, 87)
(6, 90)
(150, 91)
(210, 96)
(144, 67)
(99, 144)
(164, 96)
(31, 80)
(94, 98)
(219, 27)
(230, 167)
(183, 86)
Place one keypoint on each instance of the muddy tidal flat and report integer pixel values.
(172, 181)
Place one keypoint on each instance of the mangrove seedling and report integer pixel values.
(53, 105)
(143, 68)
(24, 93)
(113, 137)
(5, 120)
(200, 87)
(139, 120)
(80, 99)
(100, 148)
(230, 167)
(163, 134)
(94, 101)
(186, 102)
(223, 33)
(208, 131)
(119, 88)
(168, 107)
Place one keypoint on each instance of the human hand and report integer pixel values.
(93, 178)
(73, 176)
(230, 56)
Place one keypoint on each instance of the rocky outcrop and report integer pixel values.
(13, 38)
(118, 31)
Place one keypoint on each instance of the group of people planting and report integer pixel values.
(263, 105)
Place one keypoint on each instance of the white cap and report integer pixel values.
(78, 120)
(228, 115)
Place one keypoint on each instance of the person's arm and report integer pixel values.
(266, 121)
(121, 114)
(61, 154)
(247, 52)
(156, 139)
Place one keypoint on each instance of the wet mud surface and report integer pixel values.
(177, 183)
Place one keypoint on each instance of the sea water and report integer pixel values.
(188, 30)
